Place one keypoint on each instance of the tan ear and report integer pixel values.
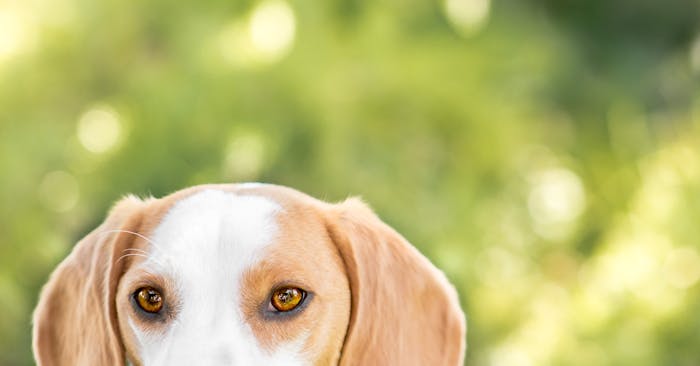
(75, 321)
(404, 311)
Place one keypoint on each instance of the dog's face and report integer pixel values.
(218, 264)
(246, 275)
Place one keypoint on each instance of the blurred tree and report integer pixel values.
(545, 154)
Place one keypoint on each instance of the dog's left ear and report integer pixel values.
(404, 311)
(75, 322)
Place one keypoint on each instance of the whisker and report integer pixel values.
(152, 242)
(129, 232)
(136, 251)
(131, 255)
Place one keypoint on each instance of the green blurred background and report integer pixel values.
(544, 153)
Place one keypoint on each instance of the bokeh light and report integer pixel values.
(468, 16)
(263, 36)
(17, 31)
(695, 55)
(272, 28)
(244, 157)
(546, 156)
(556, 200)
(59, 191)
(99, 129)
(682, 267)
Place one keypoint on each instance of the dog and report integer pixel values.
(246, 274)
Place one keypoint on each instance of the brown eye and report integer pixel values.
(287, 298)
(149, 299)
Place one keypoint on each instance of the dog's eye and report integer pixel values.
(149, 299)
(287, 298)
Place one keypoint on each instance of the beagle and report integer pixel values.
(246, 274)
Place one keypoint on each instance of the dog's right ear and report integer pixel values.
(403, 309)
(75, 321)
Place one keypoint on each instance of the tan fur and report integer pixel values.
(404, 312)
(377, 300)
(75, 321)
(303, 251)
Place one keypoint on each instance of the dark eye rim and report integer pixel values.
(269, 312)
(299, 289)
(145, 314)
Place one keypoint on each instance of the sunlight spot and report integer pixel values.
(498, 307)
(663, 174)
(272, 28)
(547, 323)
(59, 14)
(17, 32)
(682, 268)
(593, 307)
(632, 261)
(468, 17)
(631, 266)
(59, 191)
(556, 200)
(510, 355)
(658, 299)
(234, 45)
(498, 265)
(245, 156)
(695, 55)
(99, 129)
(265, 36)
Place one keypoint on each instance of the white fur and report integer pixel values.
(204, 244)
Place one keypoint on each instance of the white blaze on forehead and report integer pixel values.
(215, 227)
(203, 245)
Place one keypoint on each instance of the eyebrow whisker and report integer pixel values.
(136, 250)
(130, 232)
(131, 255)
(150, 241)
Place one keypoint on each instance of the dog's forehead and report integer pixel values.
(284, 197)
(230, 226)
(238, 198)
(217, 226)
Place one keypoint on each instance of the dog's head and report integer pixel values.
(246, 275)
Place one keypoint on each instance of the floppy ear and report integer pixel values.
(75, 322)
(404, 311)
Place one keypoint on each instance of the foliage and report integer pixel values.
(545, 154)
